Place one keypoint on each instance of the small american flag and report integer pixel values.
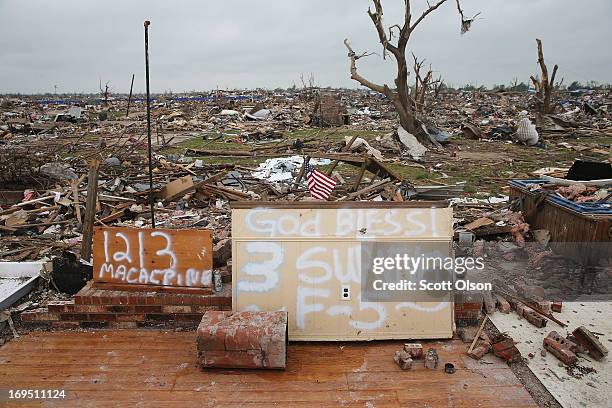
(319, 184)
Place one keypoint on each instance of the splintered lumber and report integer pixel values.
(177, 188)
(477, 336)
(301, 174)
(367, 190)
(208, 152)
(373, 165)
(361, 173)
(344, 149)
(77, 205)
(229, 193)
(16, 207)
(90, 209)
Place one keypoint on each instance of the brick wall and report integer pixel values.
(468, 308)
(123, 309)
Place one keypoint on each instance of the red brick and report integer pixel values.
(504, 348)
(120, 308)
(403, 359)
(590, 342)
(132, 317)
(415, 350)
(73, 316)
(176, 309)
(480, 350)
(157, 317)
(242, 339)
(39, 315)
(123, 325)
(544, 306)
(100, 317)
(556, 306)
(186, 317)
(503, 304)
(105, 297)
(90, 309)
(560, 348)
(203, 300)
(520, 309)
(93, 325)
(471, 306)
(166, 299)
(202, 309)
(65, 325)
(96, 297)
(148, 309)
(115, 297)
(534, 318)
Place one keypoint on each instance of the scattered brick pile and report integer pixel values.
(243, 340)
(97, 308)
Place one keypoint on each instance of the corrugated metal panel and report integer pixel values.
(300, 259)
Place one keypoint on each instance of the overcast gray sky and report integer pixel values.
(199, 45)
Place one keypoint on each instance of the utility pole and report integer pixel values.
(151, 198)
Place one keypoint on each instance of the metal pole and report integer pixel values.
(127, 112)
(151, 199)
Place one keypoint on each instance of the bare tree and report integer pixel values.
(424, 86)
(399, 95)
(544, 87)
(104, 92)
(308, 85)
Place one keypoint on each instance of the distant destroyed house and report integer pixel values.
(329, 111)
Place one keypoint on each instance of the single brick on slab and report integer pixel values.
(242, 340)
(534, 318)
(480, 350)
(560, 348)
(589, 341)
(414, 350)
(504, 348)
(403, 360)
(503, 304)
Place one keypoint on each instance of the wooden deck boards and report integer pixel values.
(157, 369)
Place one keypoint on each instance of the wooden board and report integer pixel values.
(158, 369)
(147, 257)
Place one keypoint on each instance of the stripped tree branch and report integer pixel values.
(355, 75)
(426, 13)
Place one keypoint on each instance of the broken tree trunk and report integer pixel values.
(544, 87)
(90, 209)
